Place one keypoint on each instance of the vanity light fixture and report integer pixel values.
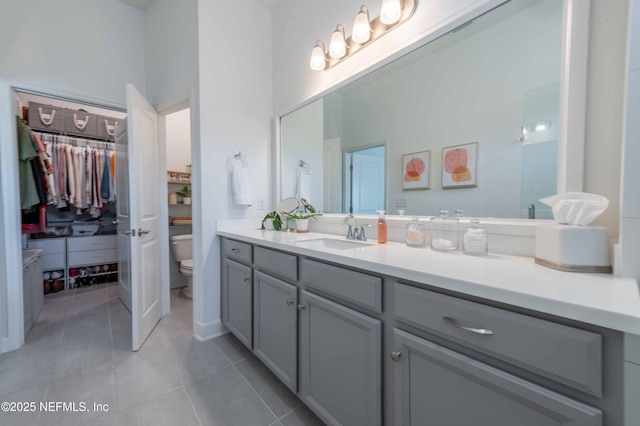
(392, 14)
(361, 28)
(338, 45)
(318, 58)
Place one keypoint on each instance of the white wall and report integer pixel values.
(235, 110)
(178, 136)
(605, 105)
(171, 38)
(630, 200)
(303, 132)
(473, 90)
(83, 48)
(299, 23)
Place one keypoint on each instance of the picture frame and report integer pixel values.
(416, 171)
(460, 166)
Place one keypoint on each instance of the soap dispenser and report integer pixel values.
(382, 227)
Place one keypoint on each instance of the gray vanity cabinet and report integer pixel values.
(433, 385)
(237, 297)
(340, 365)
(275, 340)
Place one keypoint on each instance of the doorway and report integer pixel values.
(10, 295)
(178, 166)
(365, 177)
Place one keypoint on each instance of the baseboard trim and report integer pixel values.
(209, 330)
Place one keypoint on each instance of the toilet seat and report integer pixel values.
(187, 264)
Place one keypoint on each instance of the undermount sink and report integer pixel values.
(332, 243)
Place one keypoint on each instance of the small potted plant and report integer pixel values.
(272, 221)
(302, 217)
(185, 193)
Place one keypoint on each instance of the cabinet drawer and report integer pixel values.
(565, 354)
(48, 246)
(281, 264)
(433, 385)
(93, 257)
(237, 250)
(98, 242)
(53, 261)
(355, 287)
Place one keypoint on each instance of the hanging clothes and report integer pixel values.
(28, 191)
(82, 176)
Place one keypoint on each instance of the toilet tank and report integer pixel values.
(181, 247)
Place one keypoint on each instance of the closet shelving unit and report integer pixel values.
(82, 260)
(177, 180)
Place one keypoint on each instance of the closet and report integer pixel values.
(71, 217)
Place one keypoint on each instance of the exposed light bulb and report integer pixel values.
(361, 28)
(542, 125)
(318, 59)
(338, 46)
(390, 11)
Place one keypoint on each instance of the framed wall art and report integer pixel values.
(416, 170)
(460, 166)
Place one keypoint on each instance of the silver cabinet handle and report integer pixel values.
(246, 280)
(235, 250)
(290, 302)
(484, 331)
(127, 232)
(395, 356)
(143, 231)
(301, 307)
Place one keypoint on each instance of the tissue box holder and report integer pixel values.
(573, 248)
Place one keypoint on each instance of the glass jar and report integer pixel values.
(445, 232)
(415, 234)
(474, 240)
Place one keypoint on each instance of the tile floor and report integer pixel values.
(79, 350)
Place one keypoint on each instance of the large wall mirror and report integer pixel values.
(479, 110)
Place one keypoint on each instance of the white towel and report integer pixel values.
(303, 189)
(240, 186)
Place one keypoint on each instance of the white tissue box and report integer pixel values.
(573, 248)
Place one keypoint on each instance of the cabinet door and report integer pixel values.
(275, 326)
(340, 364)
(237, 291)
(433, 385)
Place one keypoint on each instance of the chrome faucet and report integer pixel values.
(353, 233)
(532, 211)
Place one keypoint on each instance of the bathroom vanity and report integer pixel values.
(369, 334)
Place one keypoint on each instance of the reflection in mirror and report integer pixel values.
(486, 82)
(364, 180)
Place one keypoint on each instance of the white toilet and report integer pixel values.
(182, 250)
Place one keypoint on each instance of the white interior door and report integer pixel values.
(123, 213)
(139, 216)
(331, 175)
(368, 180)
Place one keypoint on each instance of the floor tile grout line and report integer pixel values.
(256, 392)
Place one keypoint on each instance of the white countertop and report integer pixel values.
(599, 299)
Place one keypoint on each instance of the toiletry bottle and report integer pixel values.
(382, 227)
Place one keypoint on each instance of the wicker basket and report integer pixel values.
(180, 220)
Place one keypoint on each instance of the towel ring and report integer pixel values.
(237, 156)
(305, 166)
